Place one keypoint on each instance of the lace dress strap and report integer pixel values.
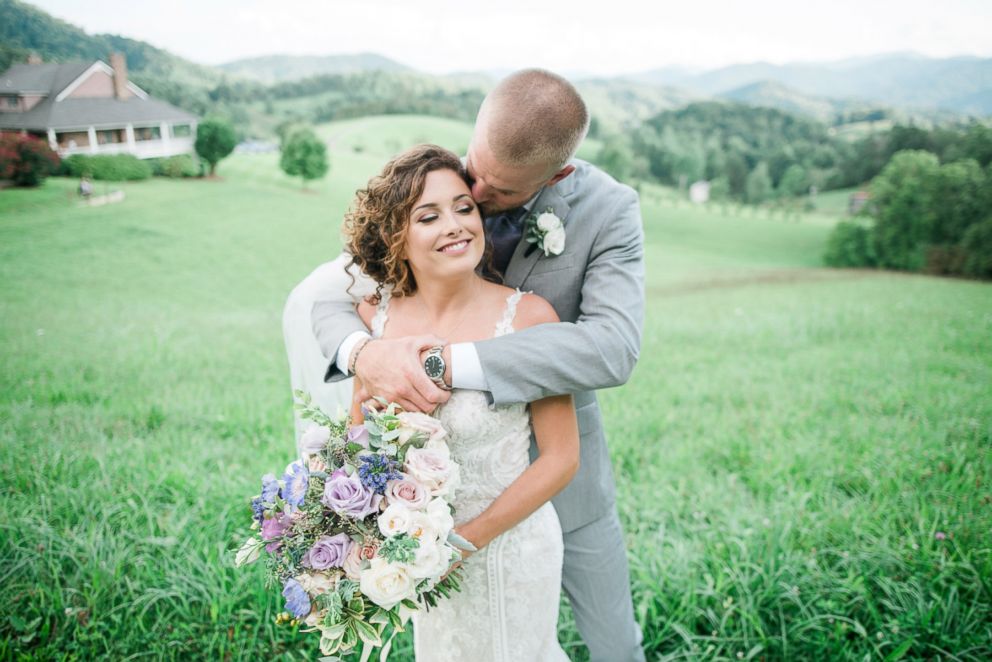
(381, 315)
(505, 325)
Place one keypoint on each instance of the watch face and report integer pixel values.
(434, 365)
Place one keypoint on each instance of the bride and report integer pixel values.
(416, 231)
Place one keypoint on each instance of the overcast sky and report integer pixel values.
(603, 37)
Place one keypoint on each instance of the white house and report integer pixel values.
(91, 108)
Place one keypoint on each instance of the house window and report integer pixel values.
(12, 102)
(181, 131)
(147, 133)
(108, 137)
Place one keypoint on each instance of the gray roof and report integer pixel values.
(77, 113)
(50, 78)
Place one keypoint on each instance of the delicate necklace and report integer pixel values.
(461, 318)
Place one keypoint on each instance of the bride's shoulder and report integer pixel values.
(533, 310)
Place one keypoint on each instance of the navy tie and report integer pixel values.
(504, 232)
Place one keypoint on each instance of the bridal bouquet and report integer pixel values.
(358, 531)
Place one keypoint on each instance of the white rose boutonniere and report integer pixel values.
(545, 231)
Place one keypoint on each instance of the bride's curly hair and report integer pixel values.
(375, 227)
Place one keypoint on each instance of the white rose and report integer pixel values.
(412, 422)
(426, 561)
(439, 514)
(433, 468)
(547, 222)
(407, 491)
(422, 527)
(387, 584)
(554, 241)
(314, 439)
(395, 519)
(316, 583)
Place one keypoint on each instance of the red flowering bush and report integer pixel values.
(25, 159)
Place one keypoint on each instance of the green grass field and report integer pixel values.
(804, 456)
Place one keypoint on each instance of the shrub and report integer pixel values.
(905, 218)
(180, 165)
(108, 167)
(304, 155)
(26, 160)
(851, 245)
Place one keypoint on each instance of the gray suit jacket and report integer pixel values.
(596, 286)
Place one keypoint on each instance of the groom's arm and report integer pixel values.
(596, 351)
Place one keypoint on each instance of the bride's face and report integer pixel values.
(445, 236)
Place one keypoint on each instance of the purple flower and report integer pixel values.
(346, 496)
(297, 600)
(940, 535)
(328, 552)
(376, 470)
(296, 484)
(270, 488)
(359, 434)
(258, 509)
(273, 529)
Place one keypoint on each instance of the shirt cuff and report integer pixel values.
(466, 369)
(344, 351)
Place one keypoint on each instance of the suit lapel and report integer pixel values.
(520, 265)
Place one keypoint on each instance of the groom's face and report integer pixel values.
(497, 187)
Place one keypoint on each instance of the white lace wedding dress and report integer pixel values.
(507, 610)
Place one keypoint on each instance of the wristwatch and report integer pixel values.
(434, 366)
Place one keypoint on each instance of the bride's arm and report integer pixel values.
(557, 433)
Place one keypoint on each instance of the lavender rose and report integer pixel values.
(359, 434)
(346, 496)
(273, 529)
(328, 552)
(314, 439)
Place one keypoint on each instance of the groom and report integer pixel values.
(520, 161)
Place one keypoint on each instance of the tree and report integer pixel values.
(304, 155)
(795, 182)
(615, 158)
(759, 184)
(903, 195)
(215, 139)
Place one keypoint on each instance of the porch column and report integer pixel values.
(92, 135)
(166, 137)
(129, 129)
(52, 141)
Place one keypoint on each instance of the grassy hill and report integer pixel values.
(802, 455)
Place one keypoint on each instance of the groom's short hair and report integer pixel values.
(534, 116)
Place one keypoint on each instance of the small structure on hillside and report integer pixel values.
(699, 192)
(857, 201)
(91, 108)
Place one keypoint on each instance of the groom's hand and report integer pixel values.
(392, 369)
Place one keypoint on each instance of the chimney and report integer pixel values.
(34, 58)
(119, 65)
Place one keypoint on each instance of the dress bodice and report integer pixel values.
(490, 444)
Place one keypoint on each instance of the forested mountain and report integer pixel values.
(280, 68)
(961, 84)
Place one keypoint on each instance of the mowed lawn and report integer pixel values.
(802, 455)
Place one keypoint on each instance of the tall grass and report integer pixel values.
(802, 455)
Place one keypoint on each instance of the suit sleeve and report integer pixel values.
(334, 317)
(599, 349)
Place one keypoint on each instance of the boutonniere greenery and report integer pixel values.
(545, 231)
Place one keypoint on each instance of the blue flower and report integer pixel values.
(296, 485)
(270, 488)
(258, 509)
(376, 470)
(297, 600)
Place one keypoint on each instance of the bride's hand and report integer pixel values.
(392, 369)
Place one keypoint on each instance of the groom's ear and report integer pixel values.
(560, 175)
